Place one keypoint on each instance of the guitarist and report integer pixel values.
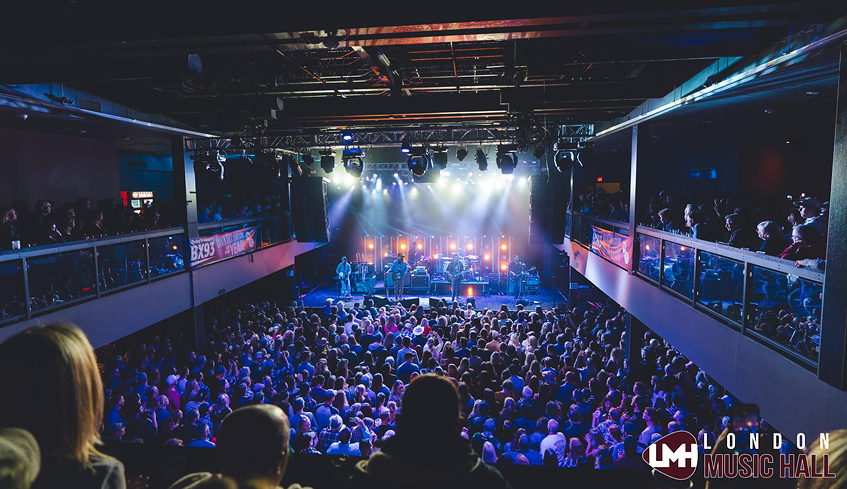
(398, 274)
(343, 271)
(454, 274)
(516, 269)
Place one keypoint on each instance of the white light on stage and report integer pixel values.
(522, 182)
(457, 186)
(445, 173)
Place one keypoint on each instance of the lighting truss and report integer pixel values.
(476, 136)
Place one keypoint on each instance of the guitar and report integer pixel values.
(518, 275)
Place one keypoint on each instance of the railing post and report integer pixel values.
(27, 296)
(744, 297)
(640, 133)
(96, 271)
(833, 347)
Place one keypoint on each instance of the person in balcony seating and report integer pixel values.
(773, 242)
(807, 243)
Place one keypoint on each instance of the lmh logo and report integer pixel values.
(674, 455)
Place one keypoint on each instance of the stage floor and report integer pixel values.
(547, 297)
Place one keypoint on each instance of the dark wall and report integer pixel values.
(147, 172)
(779, 168)
(60, 168)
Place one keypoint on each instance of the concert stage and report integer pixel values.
(546, 297)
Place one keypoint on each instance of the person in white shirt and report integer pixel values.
(555, 441)
(343, 445)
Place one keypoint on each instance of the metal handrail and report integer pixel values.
(35, 251)
(726, 251)
(233, 222)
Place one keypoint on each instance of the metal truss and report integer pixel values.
(302, 142)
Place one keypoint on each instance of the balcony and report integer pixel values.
(116, 285)
(721, 307)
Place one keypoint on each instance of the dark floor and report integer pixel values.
(547, 297)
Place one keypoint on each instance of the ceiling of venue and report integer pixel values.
(328, 68)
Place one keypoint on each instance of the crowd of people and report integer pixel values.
(536, 387)
(790, 229)
(47, 224)
(598, 203)
(227, 207)
(584, 404)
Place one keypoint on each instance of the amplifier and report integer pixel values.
(420, 281)
(533, 281)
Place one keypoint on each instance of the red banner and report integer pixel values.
(207, 249)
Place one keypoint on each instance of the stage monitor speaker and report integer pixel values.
(407, 303)
(380, 301)
(309, 209)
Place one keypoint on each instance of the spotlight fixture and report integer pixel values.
(354, 164)
(347, 137)
(418, 160)
(461, 152)
(294, 165)
(327, 160)
(439, 157)
(506, 159)
(308, 159)
(405, 148)
(538, 152)
(481, 160)
(585, 154)
(565, 156)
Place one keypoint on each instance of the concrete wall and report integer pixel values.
(35, 166)
(790, 397)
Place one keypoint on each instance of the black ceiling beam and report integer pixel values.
(191, 34)
(381, 66)
(91, 20)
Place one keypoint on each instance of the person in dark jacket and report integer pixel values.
(773, 242)
(427, 450)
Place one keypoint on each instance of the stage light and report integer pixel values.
(504, 267)
(486, 257)
(327, 160)
(420, 246)
(308, 159)
(294, 165)
(565, 156)
(417, 165)
(403, 246)
(370, 246)
(435, 256)
(461, 152)
(539, 151)
(405, 148)
(347, 137)
(470, 291)
(452, 246)
(396, 175)
(481, 160)
(386, 254)
(504, 247)
(439, 157)
(646, 247)
(506, 159)
(469, 246)
(353, 162)
(585, 154)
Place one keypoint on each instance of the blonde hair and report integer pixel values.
(53, 390)
(837, 452)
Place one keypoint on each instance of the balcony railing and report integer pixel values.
(40, 279)
(764, 297)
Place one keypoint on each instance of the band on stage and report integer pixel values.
(453, 271)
